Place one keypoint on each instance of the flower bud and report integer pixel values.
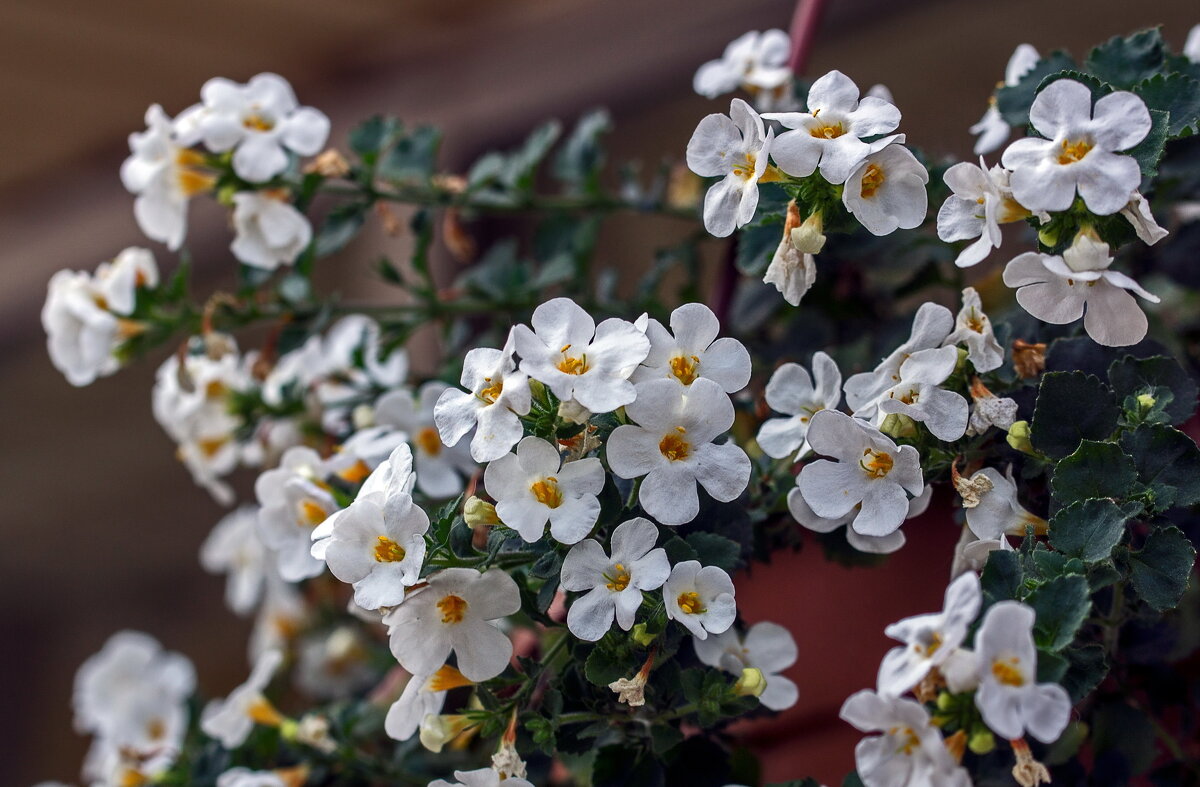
(438, 730)
(225, 195)
(751, 683)
(1146, 402)
(809, 237)
(641, 636)
(898, 425)
(479, 512)
(1018, 438)
(1048, 237)
(945, 701)
(981, 741)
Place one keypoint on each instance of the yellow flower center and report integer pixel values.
(429, 442)
(261, 711)
(674, 447)
(619, 579)
(388, 551)
(215, 389)
(827, 131)
(311, 514)
(210, 447)
(745, 168)
(190, 176)
(872, 179)
(257, 122)
(446, 678)
(929, 648)
(491, 392)
(1073, 151)
(355, 473)
(975, 321)
(876, 464)
(454, 608)
(684, 368)
(570, 364)
(1006, 672)
(909, 742)
(690, 603)
(547, 492)
(156, 728)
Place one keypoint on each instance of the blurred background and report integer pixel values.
(100, 526)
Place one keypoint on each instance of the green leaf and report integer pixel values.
(341, 225)
(1126, 730)
(603, 667)
(1099, 88)
(1088, 666)
(1071, 407)
(1095, 470)
(663, 738)
(1162, 566)
(1149, 151)
(679, 550)
(372, 135)
(413, 156)
(1126, 61)
(715, 550)
(1177, 95)
(1132, 376)
(1061, 606)
(1014, 101)
(582, 157)
(1002, 576)
(1167, 461)
(1088, 529)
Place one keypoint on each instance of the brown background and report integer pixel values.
(99, 528)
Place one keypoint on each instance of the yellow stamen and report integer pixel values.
(975, 321)
(547, 492)
(619, 579)
(355, 473)
(1073, 151)
(690, 603)
(453, 608)
(215, 390)
(311, 514)
(931, 647)
(1006, 672)
(211, 446)
(190, 176)
(428, 441)
(256, 122)
(872, 179)
(879, 464)
(388, 551)
(674, 447)
(156, 729)
(909, 742)
(745, 168)
(491, 392)
(571, 365)
(684, 368)
(827, 131)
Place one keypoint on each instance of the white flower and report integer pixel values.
(230, 720)
(261, 119)
(929, 639)
(792, 271)
(439, 468)
(869, 469)
(999, 512)
(981, 202)
(333, 665)
(282, 614)
(165, 176)
(767, 647)
(792, 391)
(671, 446)
(701, 599)
(691, 350)
(578, 359)
(1009, 699)
(1060, 290)
(534, 486)
(830, 135)
(270, 231)
(886, 191)
(244, 777)
(482, 777)
(378, 542)
(614, 584)
(497, 394)
(757, 61)
(1142, 220)
(931, 325)
(453, 614)
(974, 329)
(909, 753)
(423, 696)
(1080, 150)
(918, 396)
(130, 668)
(991, 128)
(233, 548)
(1191, 47)
(876, 545)
(294, 500)
(735, 149)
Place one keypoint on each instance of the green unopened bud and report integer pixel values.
(752, 683)
(898, 425)
(1018, 438)
(225, 195)
(945, 701)
(537, 389)
(962, 359)
(479, 512)
(981, 742)
(1048, 236)
(1146, 402)
(641, 636)
(288, 729)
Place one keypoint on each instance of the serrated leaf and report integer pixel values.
(1088, 529)
(1061, 606)
(1002, 576)
(339, 228)
(1149, 151)
(1088, 666)
(1095, 470)
(1132, 376)
(602, 667)
(1175, 94)
(715, 550)
(1162, 566)
(1124, 61)
(1071, 407)
(1167, 461)
(413, 156)
(679, 550)
(1013, 101)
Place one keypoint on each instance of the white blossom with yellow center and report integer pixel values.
(578, 359)
(919, 396)
(1080, 150)
(981, 202)
(910, 751)
(799, 396)
(734, 148)
(497, 395)
(691, 350)
(886, 191)
(423, 696)
(269, 231)
(455, 613)
(992, 129)
(973, 328)
(230, 720)
(865, 470)
(829, 136)
(875, 545)
(700, 598)
(929, 640)
(294, 500)
(481, 777)
(613, 584)
(767, 647)
(233, 548)
(1009, 697)
(999, 513)
(439, 468)
(672, 445)
(534, 486)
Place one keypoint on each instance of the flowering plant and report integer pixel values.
(520, 565)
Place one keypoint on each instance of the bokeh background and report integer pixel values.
(100, 527)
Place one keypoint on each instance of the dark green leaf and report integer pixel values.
(679, 550)
(1132, 376)
(1088, 529)
(370, 136)
(755, 247)
(1002, 576)
(1126, 61)
(1120, 728)
(1061, 606)
(1094, 470)
(1178, 95)
(579, 161)
(1162, 566)
(714, 550)
(1051, 667)
(1014, 101)
(340, 227)
(1088, 666)
(1149, 151)
(1071, 406)
(413, 156)
(1167, 461)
